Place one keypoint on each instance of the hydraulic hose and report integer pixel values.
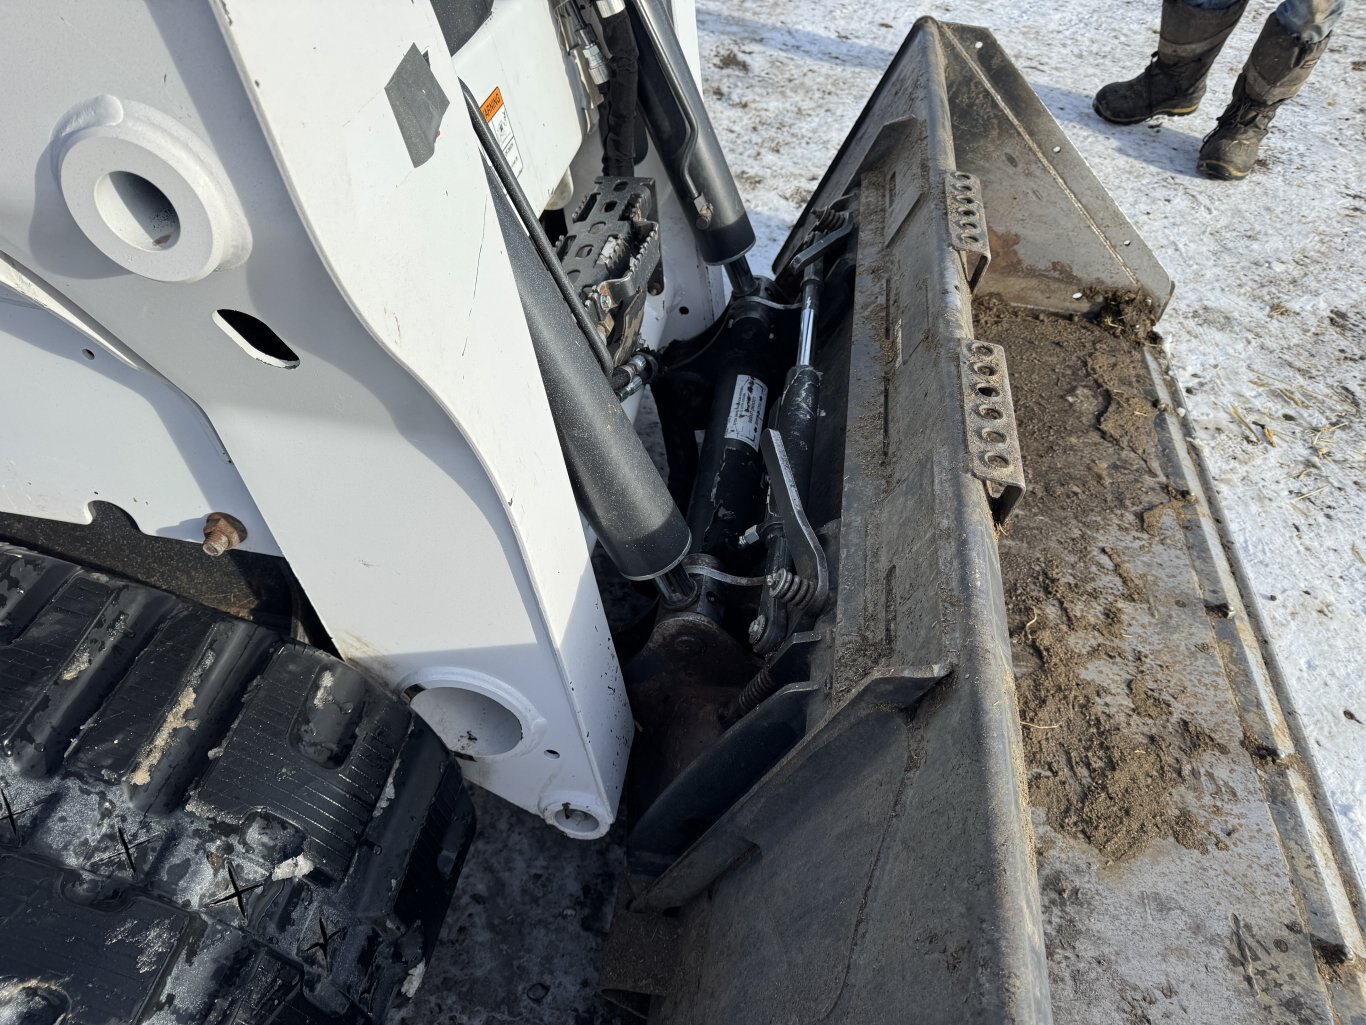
(619, 137)
(619, 491)
(686, 140)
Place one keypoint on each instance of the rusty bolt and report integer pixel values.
(222, 533)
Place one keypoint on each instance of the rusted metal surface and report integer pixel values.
(222, 533)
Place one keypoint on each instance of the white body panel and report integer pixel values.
(100, 430)
(407, 468)
(518, 51)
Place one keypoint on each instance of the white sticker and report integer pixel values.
(495, 112)
(747, 410)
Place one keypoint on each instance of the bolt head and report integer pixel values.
(222, 533)
(757, 628)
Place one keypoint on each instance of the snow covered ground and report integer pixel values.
(1267, 331)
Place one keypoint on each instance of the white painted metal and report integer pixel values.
(684, 251)
(694, 293)
(182, 228)
(407, 467)
(518, 51)
(83, 426)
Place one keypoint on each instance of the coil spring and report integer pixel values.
(788, 587)
(828, 220)
(761, 687)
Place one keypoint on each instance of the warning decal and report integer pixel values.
(495, 112)
(747, 410)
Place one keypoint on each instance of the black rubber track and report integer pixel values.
(203, 822)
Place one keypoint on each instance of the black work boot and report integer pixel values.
(1278, 65)
(1175, 79)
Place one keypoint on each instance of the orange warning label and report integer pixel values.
(490, 107)
(495, 112)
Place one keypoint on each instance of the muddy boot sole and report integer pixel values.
(1164, 112)
(1220, 170)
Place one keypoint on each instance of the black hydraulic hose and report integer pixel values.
(619, 138)
(686, 140)
(532, 225)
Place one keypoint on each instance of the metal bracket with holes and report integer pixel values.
(967, 223)
(989, 420)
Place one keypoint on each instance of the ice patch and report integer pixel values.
(414, 979)
(295, 868)
(156, 750)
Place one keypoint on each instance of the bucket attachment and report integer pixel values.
(857, 848)
(1052, 231)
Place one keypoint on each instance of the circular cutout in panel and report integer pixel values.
(137, 211)
(576, 815)
(476, 715)
(486, 728)
(576, 822)
(148, 192)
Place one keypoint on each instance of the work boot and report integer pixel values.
(1278, 65)
(1174, 81)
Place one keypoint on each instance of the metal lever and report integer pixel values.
(817, 250)
(808, 557)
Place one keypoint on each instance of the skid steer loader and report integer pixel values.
(322, 332)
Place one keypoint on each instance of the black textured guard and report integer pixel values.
(202, 822)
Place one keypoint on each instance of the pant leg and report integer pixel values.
(1310, 20)
(1211, 5)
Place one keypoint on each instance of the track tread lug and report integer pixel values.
(157, 757)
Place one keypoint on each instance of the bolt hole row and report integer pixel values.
(969, 225)
(991, 433)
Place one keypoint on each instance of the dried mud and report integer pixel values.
(1106, 751)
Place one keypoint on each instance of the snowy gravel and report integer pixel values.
(1267, 331)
